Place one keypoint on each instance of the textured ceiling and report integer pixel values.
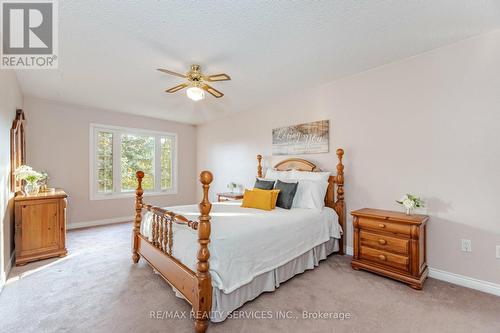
(109, 49)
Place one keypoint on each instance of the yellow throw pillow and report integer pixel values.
(274, 199)
(260, 199)
(274, 196)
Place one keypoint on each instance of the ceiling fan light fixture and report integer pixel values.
(197, 83)
(195, 93)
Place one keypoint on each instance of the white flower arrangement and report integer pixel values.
(232, 186)
(410, 201)
(25, 172)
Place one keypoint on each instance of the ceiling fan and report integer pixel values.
(197, 83)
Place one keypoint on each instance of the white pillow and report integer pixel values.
(319, 198)
(275, 174)
(309, 175)
(310, 194)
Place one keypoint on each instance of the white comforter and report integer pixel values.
(247, 242)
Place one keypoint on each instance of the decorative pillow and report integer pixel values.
(286, 193)
(310, 194)
(274, 197)
(310, 175)
(264, 184)
(303, 197)
(260, 199)
(320, 194)
(275, 174)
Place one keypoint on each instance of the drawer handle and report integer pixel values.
(381, 225)
(382, 241)
(382, 257)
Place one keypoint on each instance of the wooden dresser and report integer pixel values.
(391, 244)
(40, 227)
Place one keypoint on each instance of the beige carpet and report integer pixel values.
(97, 289)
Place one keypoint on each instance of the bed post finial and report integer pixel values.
(203, 305)
(340, 176)
(259, 167)
(138, 216)
(340, 203)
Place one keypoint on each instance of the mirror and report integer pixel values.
(17, 148)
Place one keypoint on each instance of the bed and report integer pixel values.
(236, 242)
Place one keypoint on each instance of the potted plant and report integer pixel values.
(232, 187)
(30, 177)
(410, 202)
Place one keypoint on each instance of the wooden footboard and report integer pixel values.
(196, 287)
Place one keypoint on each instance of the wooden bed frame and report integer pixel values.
(196, 287)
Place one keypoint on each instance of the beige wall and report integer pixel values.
(428, 125)
(58, 142)
(10, 100)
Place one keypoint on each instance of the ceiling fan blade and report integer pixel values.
(177, 88)
(171, 73)
(212, 91)
(218, 77)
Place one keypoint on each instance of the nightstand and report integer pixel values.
(40, 226)
(391, 244)
(227, 196)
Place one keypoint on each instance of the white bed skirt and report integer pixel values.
(223, 304)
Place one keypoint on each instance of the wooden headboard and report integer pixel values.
(335, 184)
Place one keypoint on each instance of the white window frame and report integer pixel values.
(117, 133)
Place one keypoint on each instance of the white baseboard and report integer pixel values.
(5, 275)
(460, 280)
(85, 224)
(3, 279)
(465, 281)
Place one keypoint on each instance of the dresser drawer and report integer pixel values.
(384, 243)
(382, 225)
(384, 258)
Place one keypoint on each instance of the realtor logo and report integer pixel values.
(29, 34)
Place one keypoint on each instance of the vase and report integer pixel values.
(31, 189)
(409, 211)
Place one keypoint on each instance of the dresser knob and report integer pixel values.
(382, 257)
(382, 241)
(381, 225)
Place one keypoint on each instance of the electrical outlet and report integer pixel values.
(466, 245)
(498, 251)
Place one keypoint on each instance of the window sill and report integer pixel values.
(129, 195)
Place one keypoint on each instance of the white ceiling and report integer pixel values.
(109, 49)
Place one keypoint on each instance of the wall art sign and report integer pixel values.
(308, 138)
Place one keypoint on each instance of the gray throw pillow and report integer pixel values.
(264, 184)
(286, 195)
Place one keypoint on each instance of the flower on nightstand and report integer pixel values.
(410, 202)
(25, 172)
(31, 178)
(232, 186)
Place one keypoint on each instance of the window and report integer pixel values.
(117, 153)
(104, 161)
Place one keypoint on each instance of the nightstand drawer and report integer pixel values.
(384, 243)
(384, 258)
(383, 225)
